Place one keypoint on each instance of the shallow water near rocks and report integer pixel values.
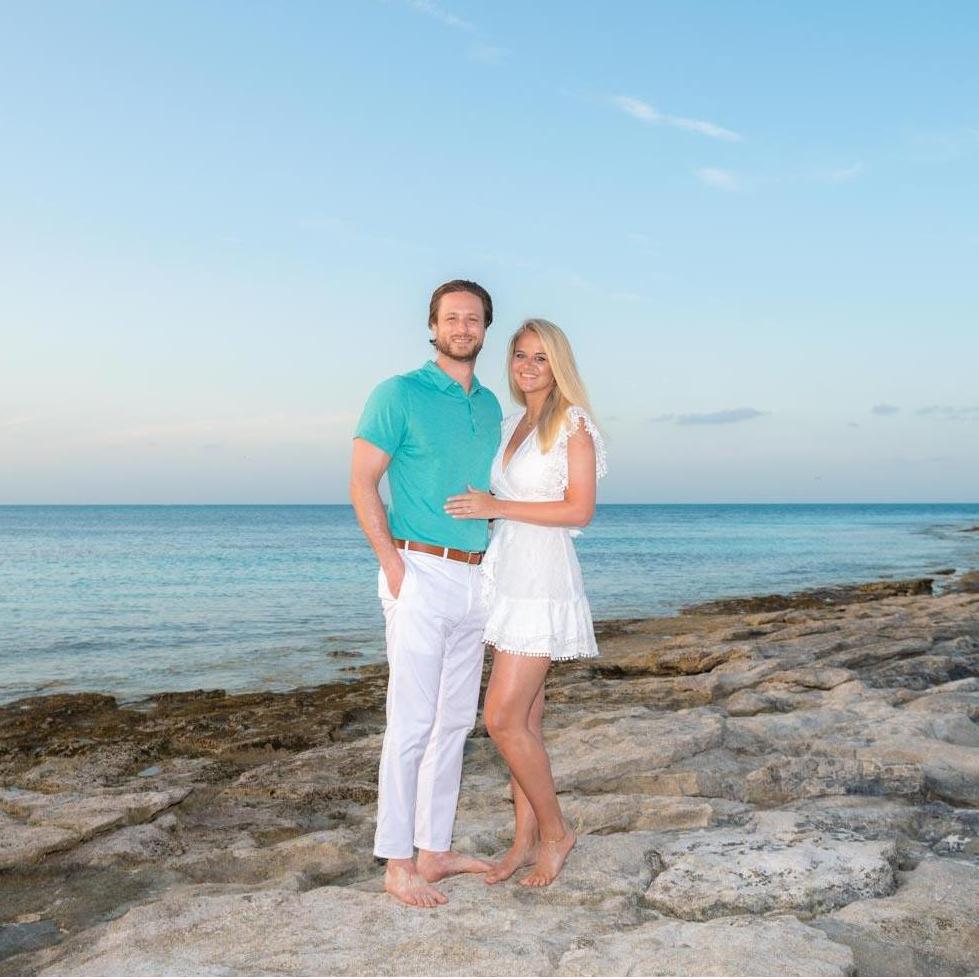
(129, 600)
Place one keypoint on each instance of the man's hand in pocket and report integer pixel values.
(394, 573)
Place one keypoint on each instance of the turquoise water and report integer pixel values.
(131, 600)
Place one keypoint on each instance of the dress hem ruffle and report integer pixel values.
(525, 647)
(537, 654)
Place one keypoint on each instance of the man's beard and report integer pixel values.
(444, 347)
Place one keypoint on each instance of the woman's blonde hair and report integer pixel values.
(568, 389)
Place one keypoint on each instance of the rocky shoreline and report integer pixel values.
(779, 785)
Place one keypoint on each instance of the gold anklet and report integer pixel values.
(567, 833)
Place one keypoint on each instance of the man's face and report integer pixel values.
(460, 327)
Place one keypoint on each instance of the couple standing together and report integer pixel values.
(441, 438)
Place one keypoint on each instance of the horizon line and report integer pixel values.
(974, 503)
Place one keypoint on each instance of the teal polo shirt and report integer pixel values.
(440, 440)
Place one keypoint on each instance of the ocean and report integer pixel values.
(134, 600)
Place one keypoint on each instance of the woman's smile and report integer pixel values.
(529, 364)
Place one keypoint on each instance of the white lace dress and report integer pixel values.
(532, 583)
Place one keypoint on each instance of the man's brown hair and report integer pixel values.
(460, 285)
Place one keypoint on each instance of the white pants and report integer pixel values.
(434, 634)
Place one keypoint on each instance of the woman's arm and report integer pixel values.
(575, 510)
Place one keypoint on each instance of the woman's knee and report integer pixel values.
(502, 721)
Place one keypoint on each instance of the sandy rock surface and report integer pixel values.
(769, 787)
(734, 946)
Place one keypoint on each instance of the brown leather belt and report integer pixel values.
(467, 557)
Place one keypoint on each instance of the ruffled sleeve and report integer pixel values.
(577, 417)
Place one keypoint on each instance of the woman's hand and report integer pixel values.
(474, 505)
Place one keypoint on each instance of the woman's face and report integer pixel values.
(529, 367)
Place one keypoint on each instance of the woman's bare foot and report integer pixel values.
(434, 866)
(550, 859)
(406, 884)
(519, 855)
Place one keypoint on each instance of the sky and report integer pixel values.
(221, 222)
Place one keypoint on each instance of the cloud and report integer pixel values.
(720, 179)
(644, 112)
(840, 175)
(704, 128)
(884, 409)
(955, 413)
(443, 16)
(916, 460)
(488, 54)
(637, 108)
(726, 417)
(19, 421)
(482, 50)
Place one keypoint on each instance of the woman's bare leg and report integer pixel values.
(523, 852)
(515, 685)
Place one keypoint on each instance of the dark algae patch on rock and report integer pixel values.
(813, 598)
(188, 724)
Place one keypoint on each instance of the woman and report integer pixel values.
(543, 482)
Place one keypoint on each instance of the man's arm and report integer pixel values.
(369, 465)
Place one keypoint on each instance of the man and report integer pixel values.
(435, 432)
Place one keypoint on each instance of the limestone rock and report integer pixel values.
(951, 771)
(810, 775)
(612, 813)
(33, 824)
(356, 930)
(86, 815)
(610, 744)
(21, 843)
(868, 817)
(336, 771)
(779, 945)
(928, 927)
(323, 857)
(148, 843)
(860, 721)
(770, 868)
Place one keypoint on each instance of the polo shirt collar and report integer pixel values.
(442, 380)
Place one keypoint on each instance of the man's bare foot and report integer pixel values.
(410, 887)
(519, 855)
(434, 866)
(550, 859)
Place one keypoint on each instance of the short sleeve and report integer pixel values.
(575, 419)
(384, 421)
